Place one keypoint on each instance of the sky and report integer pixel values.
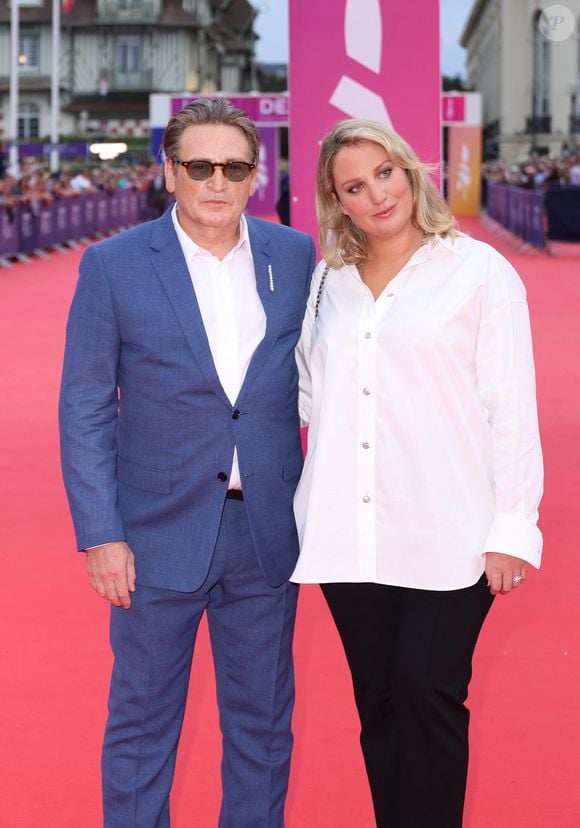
(272, 26)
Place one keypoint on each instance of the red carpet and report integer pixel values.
(54, 656)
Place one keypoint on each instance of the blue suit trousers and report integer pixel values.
(251, 627)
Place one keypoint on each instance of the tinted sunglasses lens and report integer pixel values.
(237, 171)
(199, 170)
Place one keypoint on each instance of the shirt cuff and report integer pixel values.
(515, 535)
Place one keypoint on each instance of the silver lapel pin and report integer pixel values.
(270, 279)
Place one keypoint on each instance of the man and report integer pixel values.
(181, 454)
(156, 191)
(574, 173)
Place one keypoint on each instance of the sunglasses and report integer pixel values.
(235, 171)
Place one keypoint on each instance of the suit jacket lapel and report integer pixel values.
(265, 270)
(171, 268)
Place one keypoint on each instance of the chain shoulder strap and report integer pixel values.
(320, 289)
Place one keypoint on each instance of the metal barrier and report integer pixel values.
(518, 210)
(563, 213)
(25, 227)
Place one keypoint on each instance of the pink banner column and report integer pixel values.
(375, 59)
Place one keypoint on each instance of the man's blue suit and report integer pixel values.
(148, 436)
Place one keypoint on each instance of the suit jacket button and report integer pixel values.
(236, 415)
(222, 476)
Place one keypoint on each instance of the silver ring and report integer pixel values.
(516, 579)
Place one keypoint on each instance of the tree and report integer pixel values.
(454, 84)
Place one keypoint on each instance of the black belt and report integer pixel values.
(235, 494)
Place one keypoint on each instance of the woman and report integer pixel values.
(418, 501)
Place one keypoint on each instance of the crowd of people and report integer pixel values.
(36, 185)
(537, 171)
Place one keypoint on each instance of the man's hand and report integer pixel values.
(504, 572)
(111, 571)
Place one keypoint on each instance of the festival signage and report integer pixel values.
(76, 219)
(9, 224)
(461, 113)
(61, 220)
(45, 219)
(376, 59)
(70, 149)
(23, 228)
(97, 212)
(263, 202)
(520, 210)
(461, 109)
(464, 166)
(453, 108)
(27, 228)
(264, 110)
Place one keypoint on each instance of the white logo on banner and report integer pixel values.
(463, 182)
(449, 106)
(363, 30)
(363, 33)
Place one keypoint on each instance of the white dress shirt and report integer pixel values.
(232, 313)
(423, 446)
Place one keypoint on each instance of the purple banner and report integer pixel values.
(134, 206)
(99, 222)
(145, 211)
(70, 149)
(263, 202)
(516, 199)
(520, 211)
(9, 224)
(26, 228)
(114, 210)
(537, 224)
(89, 203)
(73, 149)
(45, 223)
(264, 110)
(124, 206)
(61, 223)
(76, 226)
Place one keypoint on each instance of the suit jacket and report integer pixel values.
(147, 431)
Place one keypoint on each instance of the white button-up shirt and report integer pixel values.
(423, 446)
(232, 313)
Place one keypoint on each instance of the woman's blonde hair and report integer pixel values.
(341, 241)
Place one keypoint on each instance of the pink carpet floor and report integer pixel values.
(54, 656)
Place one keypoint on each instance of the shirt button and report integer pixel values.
(236, 415)
(366, 445)
(390, 295)
(222, 476)
(366, 392)
(366, 499)
(367, 335)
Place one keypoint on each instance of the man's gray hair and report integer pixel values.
(209, 111)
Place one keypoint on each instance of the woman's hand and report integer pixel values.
(504, 572)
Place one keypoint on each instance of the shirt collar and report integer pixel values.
(425, 253)
(428, 249)
(191, 249)
(447, 242)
